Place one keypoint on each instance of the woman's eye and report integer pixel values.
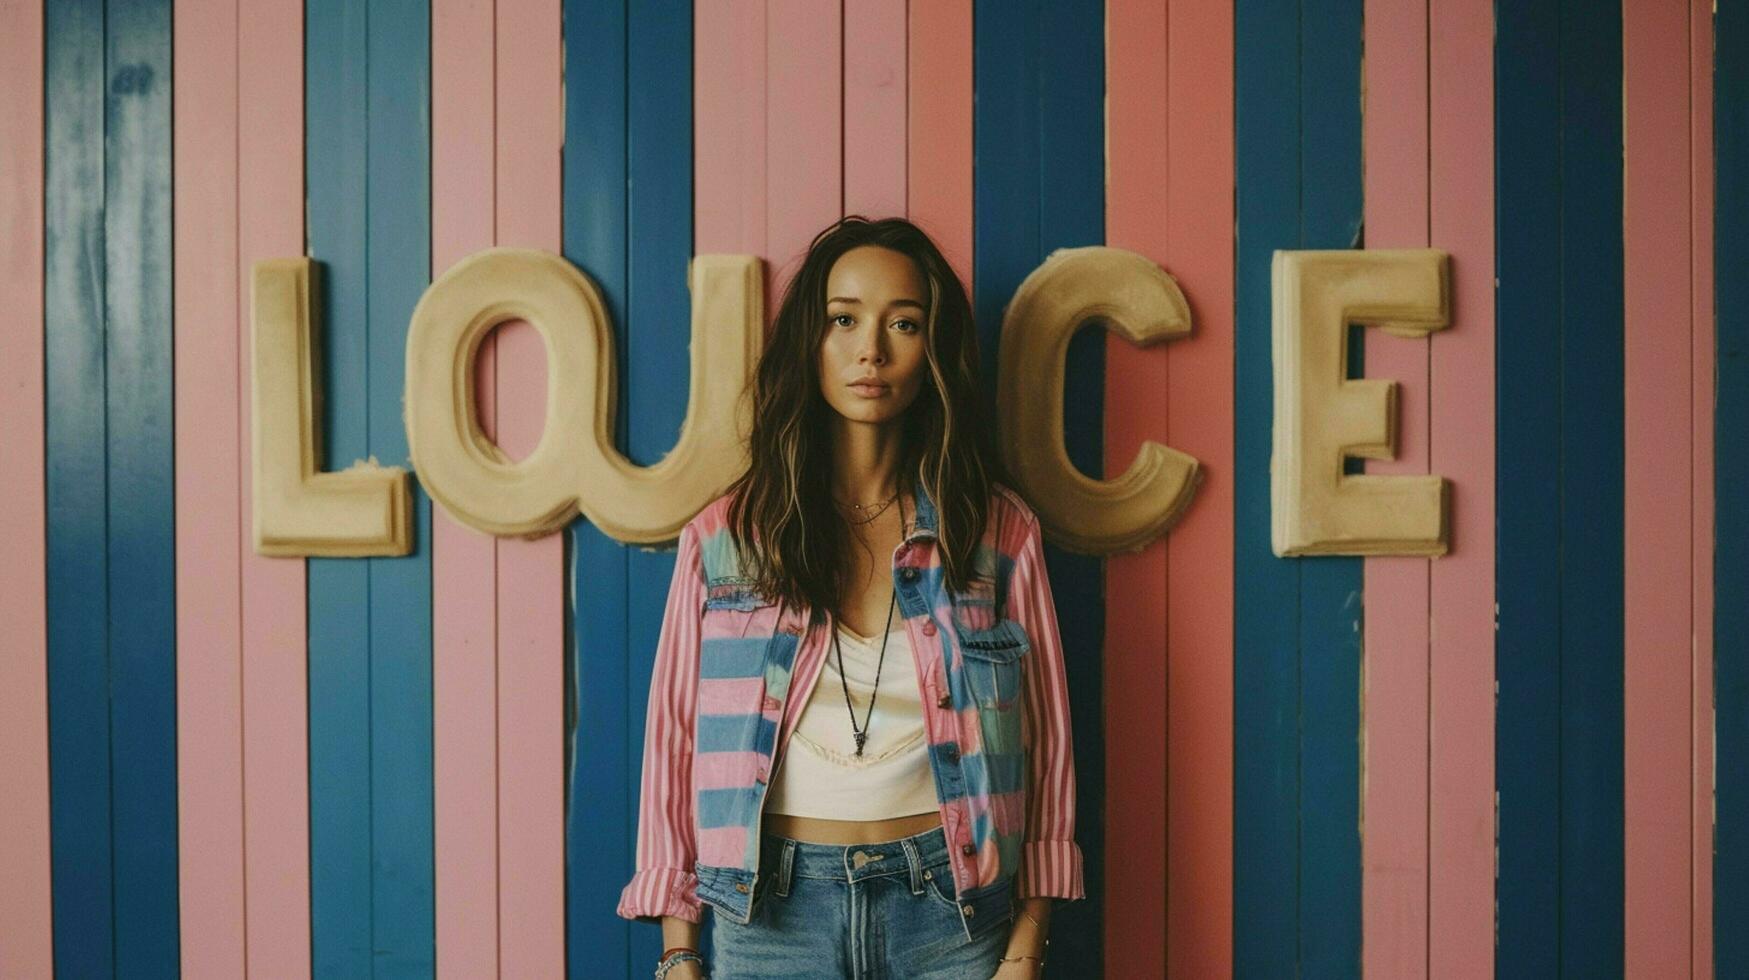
(910, 326)
(843, 316)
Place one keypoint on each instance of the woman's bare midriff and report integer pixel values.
(818, 830)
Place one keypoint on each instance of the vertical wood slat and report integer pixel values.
(26, 927)
(1266, 840)
(139, 454)
(337, 154)
(275, 721)
(603, 736)
(1527, 486)
(1330, 588)
(370, 619)
(1199, 716)
(1135, 699)
(1591, 455)
(1396, 659)
(531, 593)
(464, 563)
(1137, 217)
(1559, 489)
(1658, 517)
(1703, 370)
(1462, 416)
(400, 588)
(76, 489)
(1730, 859)
(209, 517)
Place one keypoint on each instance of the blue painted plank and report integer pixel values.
(1591, 428)
(372, 863)
(1731, 460)
(1039, 185)
(141, 494)
(76, 485)
(1528, 481)
(403, 871)
(629, 143)
(336, 158)
(1266, 763)
(1071, 204)
(657, 332)
(1330, 587)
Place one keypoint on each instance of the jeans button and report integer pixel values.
(945, 701)
(908, 574)
(967, 848)
(928, 629)
(950, 753)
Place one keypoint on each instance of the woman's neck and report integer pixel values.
(865, 463)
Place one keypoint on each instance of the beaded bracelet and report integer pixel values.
(669, 962)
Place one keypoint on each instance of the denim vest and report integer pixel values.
(969, 670)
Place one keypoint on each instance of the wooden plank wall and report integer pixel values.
(1503, 760)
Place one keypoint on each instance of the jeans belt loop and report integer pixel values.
(915, 860)
(785, 863)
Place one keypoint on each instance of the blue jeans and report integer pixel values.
(858, 911)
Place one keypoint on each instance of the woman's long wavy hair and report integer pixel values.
(793, 542)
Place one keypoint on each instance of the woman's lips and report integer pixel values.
(869, 390)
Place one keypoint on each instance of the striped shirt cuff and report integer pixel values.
(1049, 868)
(655, 892)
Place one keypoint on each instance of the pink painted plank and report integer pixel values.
(729, 131)
(270, 224)
(210, 518)
(1137, 648)
(875, 91)
(804, 165)
(1658, 598)
(25, 929)
(1394, 803)
(464, 561)
(1702, 348)
(1460, 899)
(938, 140)
(1199, 552)
(531, 574)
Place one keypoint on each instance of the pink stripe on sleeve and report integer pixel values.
(665, 882)
(1050, 859)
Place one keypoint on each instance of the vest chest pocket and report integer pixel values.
(733, 610)
(992, 662)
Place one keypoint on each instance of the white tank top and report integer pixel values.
(820, 775)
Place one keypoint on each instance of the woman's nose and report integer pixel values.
(871, 351)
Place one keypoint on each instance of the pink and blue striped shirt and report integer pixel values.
(989, 665)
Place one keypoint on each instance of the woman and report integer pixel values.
(906, 806)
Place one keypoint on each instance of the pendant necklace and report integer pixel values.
(861, 734)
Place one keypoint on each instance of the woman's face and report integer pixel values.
(874, 330)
